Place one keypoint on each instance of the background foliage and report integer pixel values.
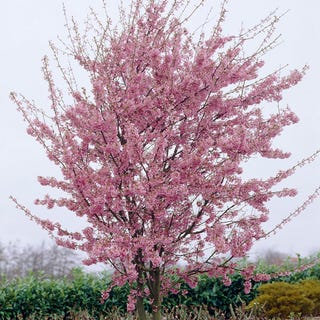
(36, 294)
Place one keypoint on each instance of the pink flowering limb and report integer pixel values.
(152, 153)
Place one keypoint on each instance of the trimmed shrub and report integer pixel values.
(311, 289)
(36, 297)
(281, 299)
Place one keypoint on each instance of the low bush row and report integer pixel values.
(39, 296)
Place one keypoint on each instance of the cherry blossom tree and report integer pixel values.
(152, 153)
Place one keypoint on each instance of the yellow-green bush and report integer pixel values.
(311, 289)
(280, 299)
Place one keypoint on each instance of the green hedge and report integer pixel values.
(38, 297)
(213, 294)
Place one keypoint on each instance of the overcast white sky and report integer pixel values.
(26, 27)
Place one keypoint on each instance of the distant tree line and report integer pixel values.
(18, 261)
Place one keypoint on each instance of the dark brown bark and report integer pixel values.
(139, 304)
(156, 294)
(140, 309)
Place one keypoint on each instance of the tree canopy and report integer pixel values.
(152, 152)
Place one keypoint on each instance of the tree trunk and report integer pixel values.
(139, 304)
(157, 299)
(156, 314)
(140, 309)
